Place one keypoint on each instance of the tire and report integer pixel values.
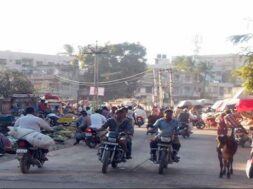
(163, 162)
(105, 161)
(91, 143)
(200, 125)
(24, 164)
(114, 165)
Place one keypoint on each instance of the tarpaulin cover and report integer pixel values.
(244, 105)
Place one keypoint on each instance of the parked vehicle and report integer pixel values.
(139, 120)
(184, 130)
(91, 137)
(112, 151)
(241, 137)
(164, 154)
(198, 123)
(28, 155)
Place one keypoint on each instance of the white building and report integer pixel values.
(42, 70)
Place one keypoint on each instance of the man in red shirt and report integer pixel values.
(232, 122)
(222, 132)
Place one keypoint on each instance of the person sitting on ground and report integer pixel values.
(82, 123)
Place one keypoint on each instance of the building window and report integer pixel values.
(3, 61)
(18, 61)
(149, 89)
(39, 63)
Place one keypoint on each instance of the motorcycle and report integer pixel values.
(184, 130)
(241, 137)
(249, 163)
(164, 153)
(139, 121)
(91, 137)
(113, 150)
(198, 123)
(28, 155)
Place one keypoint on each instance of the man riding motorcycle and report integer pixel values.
(30, 121)
(119, 124)
(167, 126)
(184, 117)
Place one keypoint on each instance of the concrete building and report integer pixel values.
(170, 85)
(48, 73)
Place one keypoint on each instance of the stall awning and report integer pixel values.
(244, 105)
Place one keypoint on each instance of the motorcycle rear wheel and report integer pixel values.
(91, 143)
(106, 161)
(24, 164)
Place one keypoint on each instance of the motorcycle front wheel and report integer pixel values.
(163, 162)
(106, 161)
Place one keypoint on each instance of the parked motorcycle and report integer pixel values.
(198, 123)
(184, 130)
(113, 150)
(241, 137)
(249, 163)
(28, 155)
(139, 121)
(164, 154)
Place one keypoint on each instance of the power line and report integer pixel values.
(139, 75)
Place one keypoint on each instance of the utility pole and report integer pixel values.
(160, 89)
(155, 86)
(96, 51)
(171, 87)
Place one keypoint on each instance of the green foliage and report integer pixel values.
(184, 63)
(78, 57)
(120, 61)
(200, 69)
(12, 82)
(246, 71)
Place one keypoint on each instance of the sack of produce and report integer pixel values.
(40, 140)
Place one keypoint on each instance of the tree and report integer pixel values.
(12, 82)
(78, 57)
(199, 69)
(246, 71)
(120, 61)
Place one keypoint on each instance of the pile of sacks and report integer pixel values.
(35, 138)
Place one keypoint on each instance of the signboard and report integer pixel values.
(100, 92)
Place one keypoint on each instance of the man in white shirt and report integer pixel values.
(29, 121)
(97, 120)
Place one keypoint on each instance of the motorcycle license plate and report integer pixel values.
(88, 134)
(21, 151)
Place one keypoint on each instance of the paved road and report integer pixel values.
(77, 166)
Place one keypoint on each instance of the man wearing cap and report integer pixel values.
(120, 123)
(167, 127)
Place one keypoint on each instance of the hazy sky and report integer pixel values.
(162, 26)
